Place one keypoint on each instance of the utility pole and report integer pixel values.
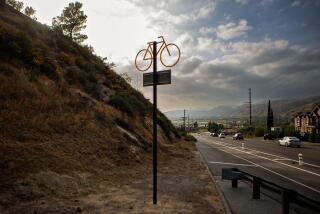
(188, 123)
(250, 106)
(184, 120)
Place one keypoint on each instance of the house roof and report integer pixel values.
(314, 112)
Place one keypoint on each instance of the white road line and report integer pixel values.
(281, 159)
(283, 176)
(277, 156)
(238, 164)
(304, 170)
(317, 166)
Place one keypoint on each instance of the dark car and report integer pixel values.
(268, 136)
(214, 134)
(238, 136)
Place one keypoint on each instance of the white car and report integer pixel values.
(222, 135)
(290, 141)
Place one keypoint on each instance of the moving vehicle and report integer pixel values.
(214, 134)
(222, 135)
(268, 136)
(238, 136)
(290, 141)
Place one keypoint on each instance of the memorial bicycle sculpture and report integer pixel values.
(169, 55)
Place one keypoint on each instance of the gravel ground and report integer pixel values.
(184, 186)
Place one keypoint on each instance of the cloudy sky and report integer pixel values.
(227, 46)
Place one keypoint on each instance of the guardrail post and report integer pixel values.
(285, 201)
(234, 183)
(256, 188)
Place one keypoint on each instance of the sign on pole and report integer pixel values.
(164, 78)
(143, 62)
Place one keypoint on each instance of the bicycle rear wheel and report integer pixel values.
(143, 60)
(170, 55)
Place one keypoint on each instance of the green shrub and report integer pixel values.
(129, 104)
(167, 126)
(189, 137)
(14, 45)
(247, 131)
(85, 51)
(124, 124)
(18, 46)
(259, 132)
(122, 103)
(65, 58)
(290, 131)
(88, 81)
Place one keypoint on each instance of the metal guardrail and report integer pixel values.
(288, 196)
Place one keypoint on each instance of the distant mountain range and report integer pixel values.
(281, 108)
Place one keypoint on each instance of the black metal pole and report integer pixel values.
(154, 145)
(256, 183)
(285, 202)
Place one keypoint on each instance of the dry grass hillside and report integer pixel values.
(66, 118)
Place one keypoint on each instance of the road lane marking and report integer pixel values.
(277, 156)
(283, 176)
(238, 164)
(304, 170)
(281, 159)
(316, 166)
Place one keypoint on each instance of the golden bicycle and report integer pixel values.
(169, 55)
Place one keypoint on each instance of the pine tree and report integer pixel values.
(269, 117)
(29, 11)
(71, 22)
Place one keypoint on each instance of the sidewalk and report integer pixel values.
(240, 199)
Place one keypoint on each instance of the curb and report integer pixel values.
(226, 205)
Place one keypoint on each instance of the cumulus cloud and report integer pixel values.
(273, 69)
(296, 3)
(219, 63)
(207, 30)
(243, 2)
(232, 30)
(266, 3)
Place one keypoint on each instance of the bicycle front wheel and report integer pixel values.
(170, 55)
(143, 60)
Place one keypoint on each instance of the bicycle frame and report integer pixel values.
(163, 43)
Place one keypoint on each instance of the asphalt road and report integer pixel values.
(265, 159)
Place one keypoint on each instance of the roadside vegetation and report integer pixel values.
(188, 137)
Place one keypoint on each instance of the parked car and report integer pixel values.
(238, 136)
(268, 136)
(290, 141)
(222, 135)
